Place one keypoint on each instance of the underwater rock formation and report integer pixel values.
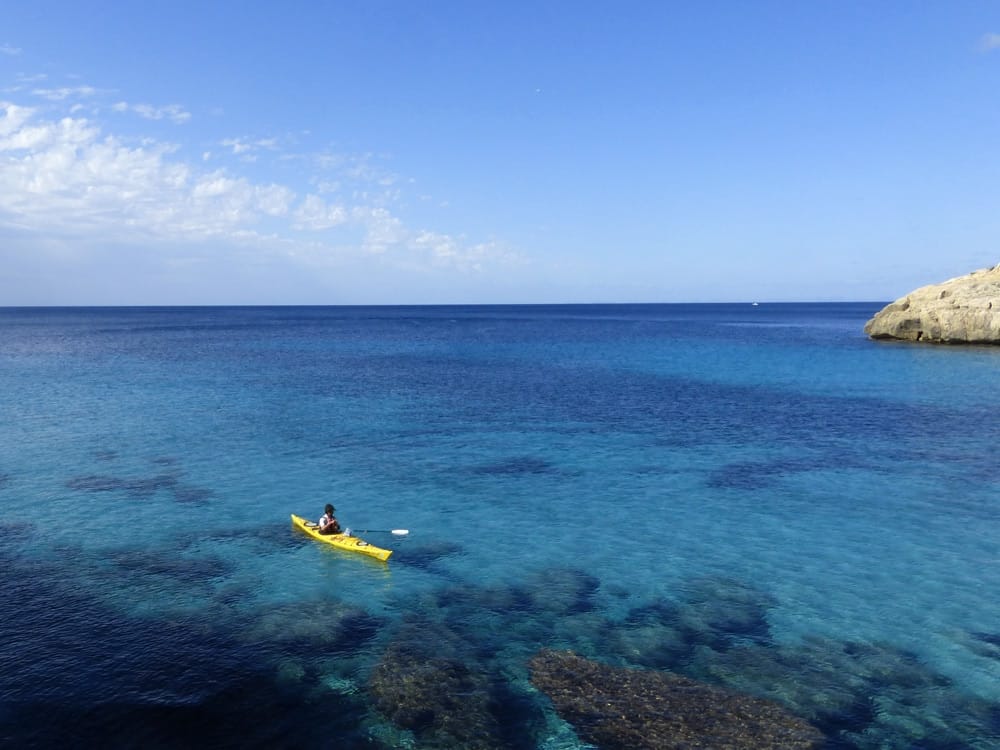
(866, 696)
(614, 707)
(310, 626)
(560, 592)
(963, 310)
(715, 612)
(445, 682)
(439, 698)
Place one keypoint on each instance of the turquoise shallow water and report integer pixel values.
(756, 497)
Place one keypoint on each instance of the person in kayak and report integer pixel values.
(328, 523)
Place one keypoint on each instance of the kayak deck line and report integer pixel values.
(341, 541)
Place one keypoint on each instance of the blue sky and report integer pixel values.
(460, 152)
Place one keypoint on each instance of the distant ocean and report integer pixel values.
(756, 497)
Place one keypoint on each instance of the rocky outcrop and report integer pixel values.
(964, 310)
(613, 707)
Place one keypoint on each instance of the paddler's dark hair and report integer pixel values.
(329, 509)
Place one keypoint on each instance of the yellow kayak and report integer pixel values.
(350, 543)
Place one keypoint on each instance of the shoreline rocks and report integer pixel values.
(963, 310)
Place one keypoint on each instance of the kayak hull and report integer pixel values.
(341, 541)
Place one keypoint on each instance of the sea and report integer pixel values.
(756, 497)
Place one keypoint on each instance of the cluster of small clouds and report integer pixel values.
(64, 175)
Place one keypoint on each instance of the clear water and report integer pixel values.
(757, 497)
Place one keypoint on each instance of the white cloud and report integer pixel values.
(989, 42)
(67, 179)
(67, 176)
(65, 92)
(315, 214)
(247, 148)
(173, 112)
(383, 231)
(6, 49)
(14, 117)
(448, 251)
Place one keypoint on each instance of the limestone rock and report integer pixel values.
(616, 708)
(963, 310)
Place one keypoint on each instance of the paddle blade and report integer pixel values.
(400, 532)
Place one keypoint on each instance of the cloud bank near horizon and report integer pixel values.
(75, 180)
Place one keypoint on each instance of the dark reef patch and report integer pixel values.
(515, 466)
(168, 564)
(440, 699)
(861, 695)
(141, 488)
(560, 591)
(629, 709)
(165, 461)
(718, 613)
(247, 712)
(324, 626)
(424, 556)
(433, 682)
(188, 494)
(95, 483)
(986, 645)
(91, 677)
(756, 475)
(270, 536)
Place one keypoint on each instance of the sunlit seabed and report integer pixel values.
(845, 488)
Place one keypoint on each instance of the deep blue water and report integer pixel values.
(756, 497)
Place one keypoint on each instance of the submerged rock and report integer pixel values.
(614, 707)
(560, 591)
(439, 698)
(715, 612)
(864, 696)
(963, 310)
(310, 626)
(444, 683)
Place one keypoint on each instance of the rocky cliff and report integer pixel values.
(964, 310)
